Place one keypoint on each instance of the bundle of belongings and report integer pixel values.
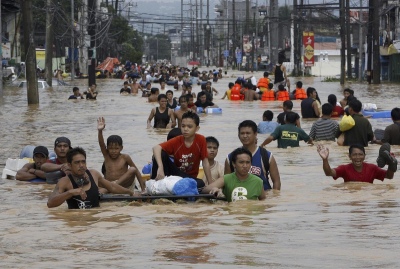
(172, 185)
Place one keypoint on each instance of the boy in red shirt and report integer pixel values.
(187, 149)
(358, 170)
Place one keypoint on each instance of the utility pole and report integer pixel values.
(72, 41)
(208, 33)
(1, 69)
(343, 40)
(253, 48)
(197, 33)
(299, 37)
(274, 30)
(92, 34)
(349, 68)
(257, 32)
(181, 50)
(246, 32)
(227, 46)
(295, 38)
(376, 58)
(234, 33)
(202, 33)
(30, 53)
(369, 41)
(247, 17)
(360, 44)
(116, 6)
(49, 43)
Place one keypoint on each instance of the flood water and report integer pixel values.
(313, 222)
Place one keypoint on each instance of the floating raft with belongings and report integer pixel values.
(121, 197)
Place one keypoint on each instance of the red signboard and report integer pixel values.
(308, 43)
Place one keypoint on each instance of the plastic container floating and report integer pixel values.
(377, 114)
(214, 110)
(210, 110)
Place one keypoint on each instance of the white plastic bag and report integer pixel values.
(369, 107)
(163, 186)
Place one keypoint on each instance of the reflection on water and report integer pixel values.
(314, 222)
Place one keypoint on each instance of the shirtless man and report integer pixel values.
(346, 94)
(134, 85)
(250, 94)
(153, 95)
(119, 168)
(189, 91)
(163, 87)
(183, 102)
(80, 188)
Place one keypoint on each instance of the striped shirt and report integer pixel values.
(324, 129)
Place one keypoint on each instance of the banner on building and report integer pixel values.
(308, 43)
(247, 46)
(355, 16)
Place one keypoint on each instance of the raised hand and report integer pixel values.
(101, 123)
(323, 151)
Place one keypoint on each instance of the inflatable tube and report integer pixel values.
(134, 75)
(202, 82)
(379, 134)
(378, 114)
(27, 152)
(37, 180)
(171, 82)
(53, 177)
(194, 80)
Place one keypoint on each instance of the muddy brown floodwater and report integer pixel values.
(313, 222)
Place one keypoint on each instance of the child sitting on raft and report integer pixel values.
(119, 168)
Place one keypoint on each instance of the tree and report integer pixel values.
(128, 52)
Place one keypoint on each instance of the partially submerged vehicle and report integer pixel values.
(41, 84)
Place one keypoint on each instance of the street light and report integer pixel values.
(208, 44)
(144, 57)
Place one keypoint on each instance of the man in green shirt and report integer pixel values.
(288, 135)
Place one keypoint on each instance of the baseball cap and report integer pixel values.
(41, 150)
(62, 139)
